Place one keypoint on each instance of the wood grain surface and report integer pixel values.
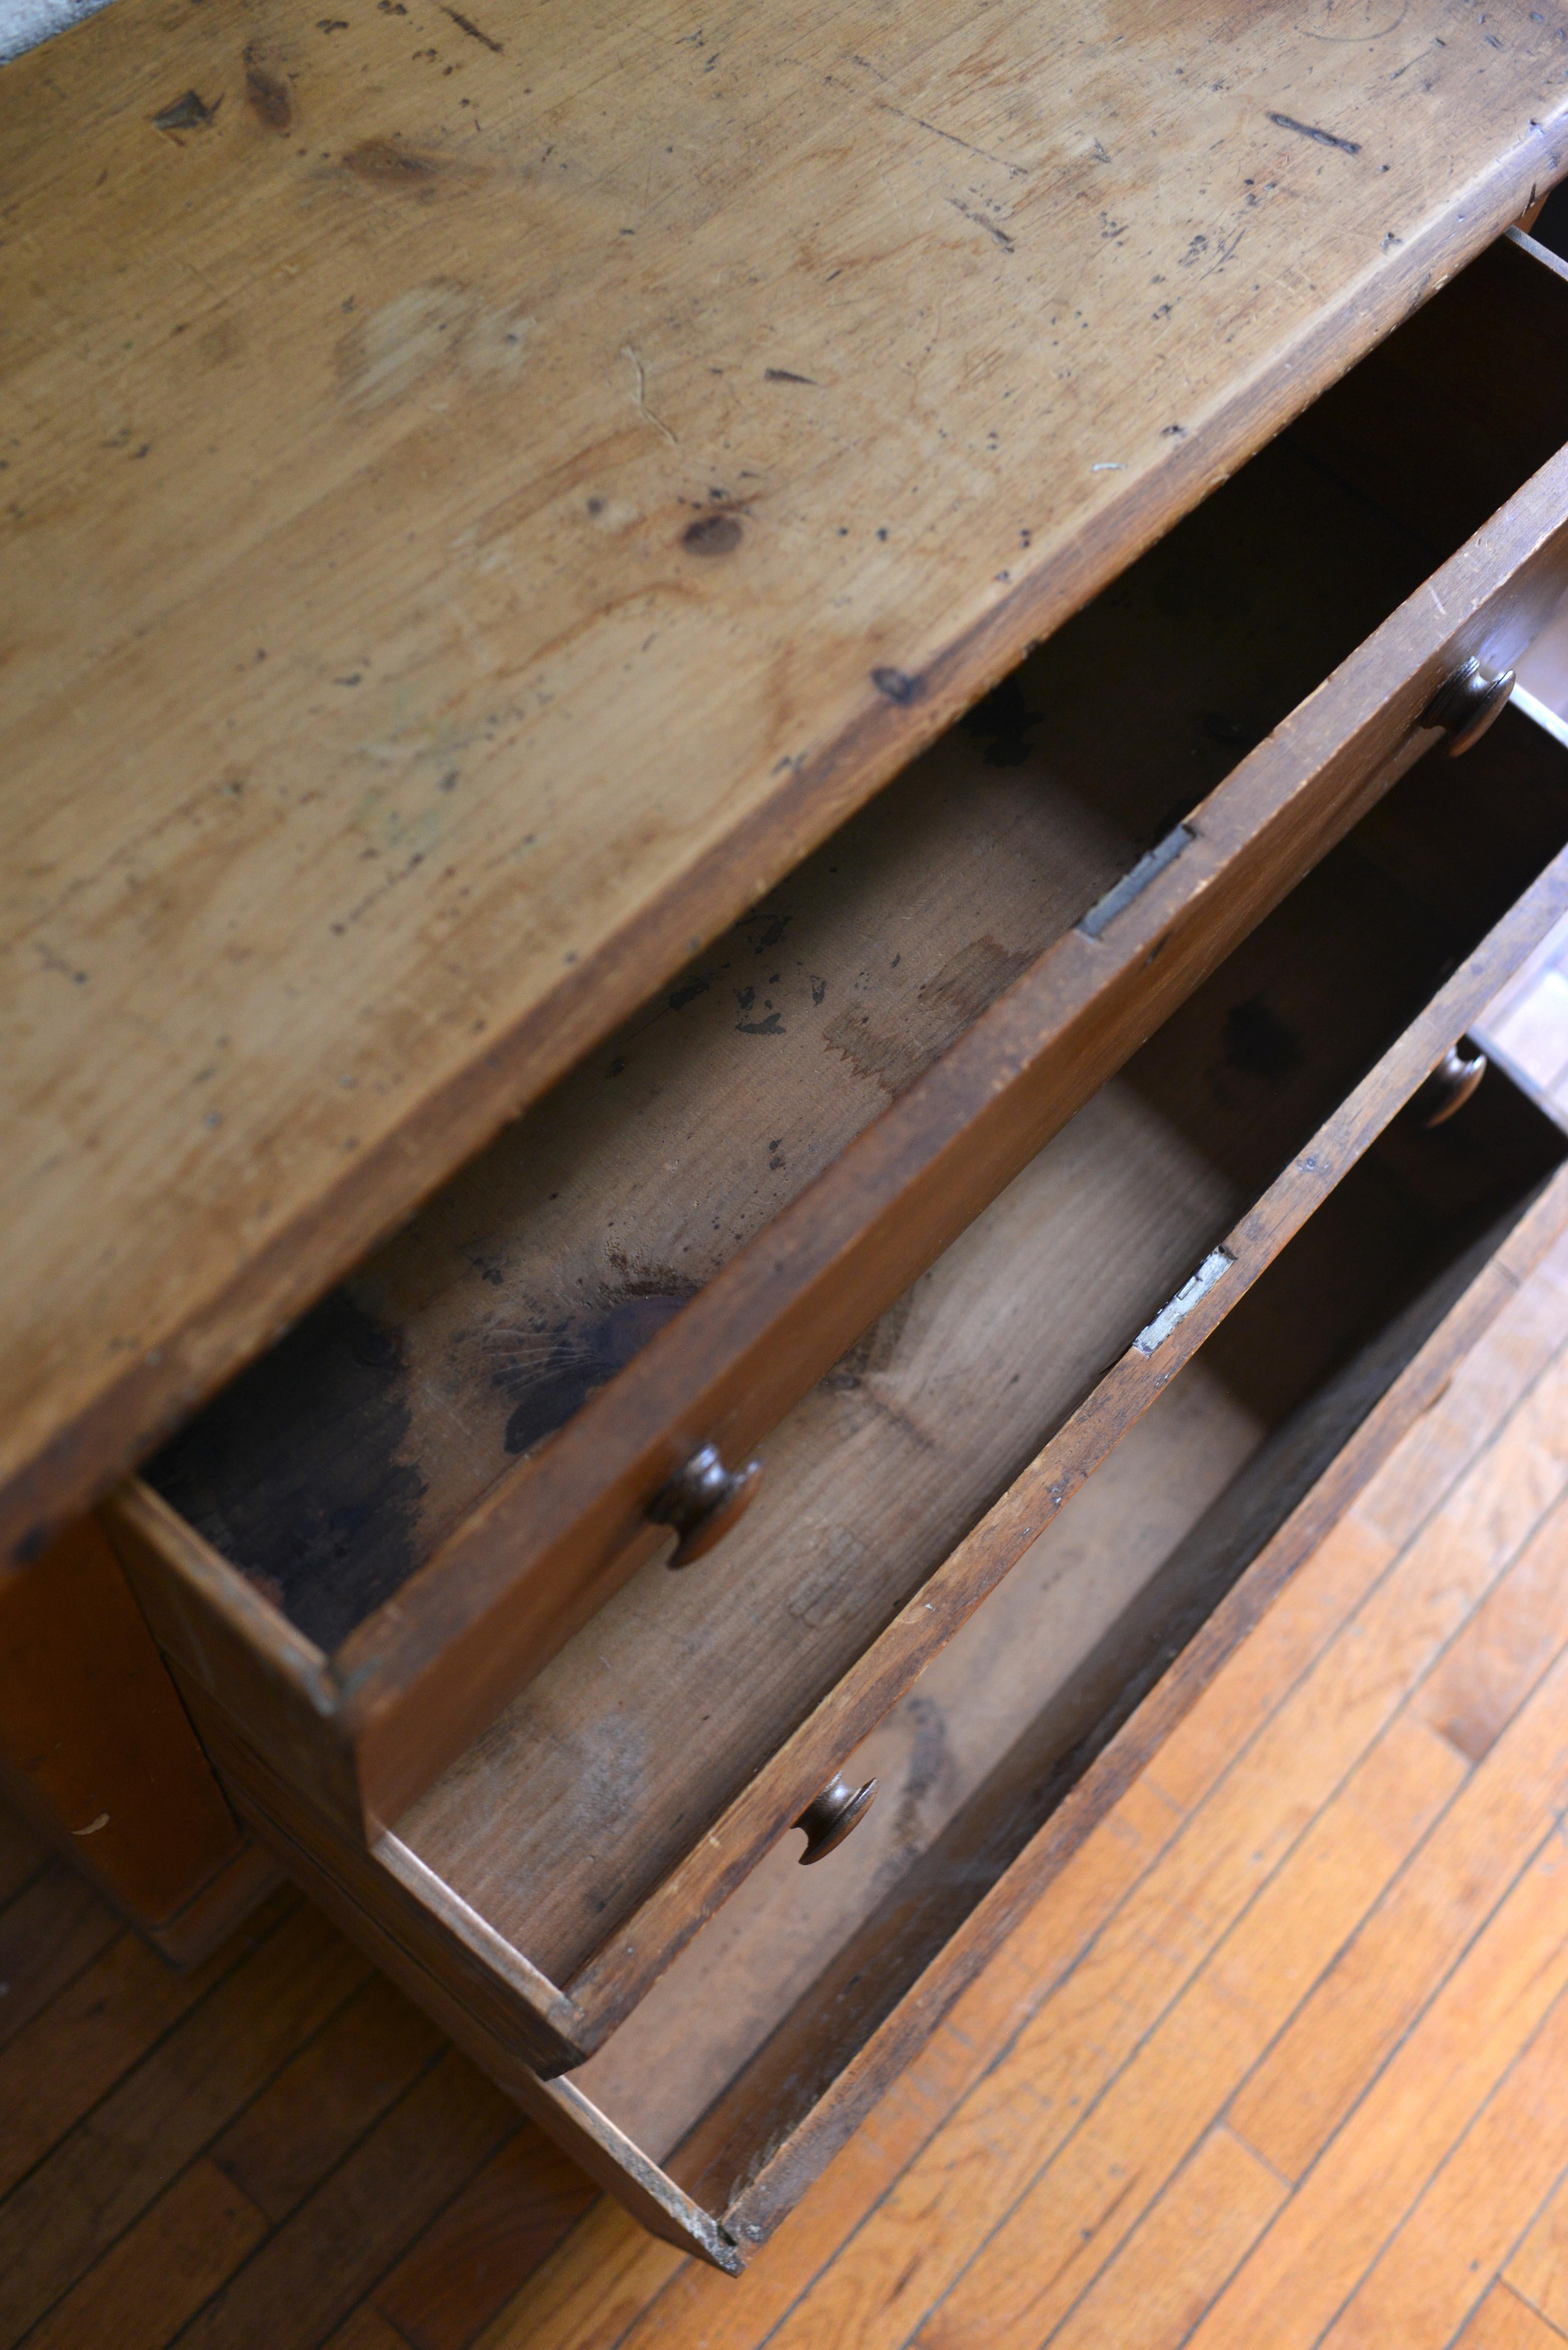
(484, 499)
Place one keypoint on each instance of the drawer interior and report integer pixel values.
(618, 1756)
(336, 1466)
(768, 2004)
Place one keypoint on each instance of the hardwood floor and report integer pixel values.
(1281, 2062)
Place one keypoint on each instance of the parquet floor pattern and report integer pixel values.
(1281, 2062)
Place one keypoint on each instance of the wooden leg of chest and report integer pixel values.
(97, 1749)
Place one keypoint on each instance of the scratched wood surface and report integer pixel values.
(484, 497)
(1302, 1990)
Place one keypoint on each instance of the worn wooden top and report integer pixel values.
(486, 489)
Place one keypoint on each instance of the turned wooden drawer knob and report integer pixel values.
(702, 1501)
(1466, 706)
(1450, 1084)
(828, 1819)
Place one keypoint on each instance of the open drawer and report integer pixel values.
(374, 1539)
(1254, 1401)
(554, 1873)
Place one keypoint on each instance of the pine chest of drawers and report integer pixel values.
(744, 943)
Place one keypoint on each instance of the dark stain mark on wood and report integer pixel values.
(1471, 1734)
(970, 979)
(768, 1022)
(560, 1364)
(223, 340)
(899, 685)
(268, 97)
(386, 164)
(687, 992)
(295, 1472)
(774, 926)
(1311, 130)
(1259, 1042)
(876, 1348)
(189, 112)
(930, 1764)
(786, 375)
(466, 24)
(711, 533)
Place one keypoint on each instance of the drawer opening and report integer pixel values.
(618, 1757)
(769, 2005)
(337, 1466)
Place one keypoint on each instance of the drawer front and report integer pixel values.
(366, 1726)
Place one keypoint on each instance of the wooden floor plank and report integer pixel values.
(91, 2034)
(1477, 1686)
(612, 2283)
(160, 2271)
(49, 1931)
(123, 2155)
(366, 2330)
(1484, 1390)
(323, 2101)
(1312, 2259)
(1428, 2278)
(1277, 1653)
(1486, 1516)
(308, 2276)
(1304, 2088)
(1503, 2322)
(1538, 2270)
(487, 2243)
(605, 2278)
(1167, 2272)
(1093, 2195)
